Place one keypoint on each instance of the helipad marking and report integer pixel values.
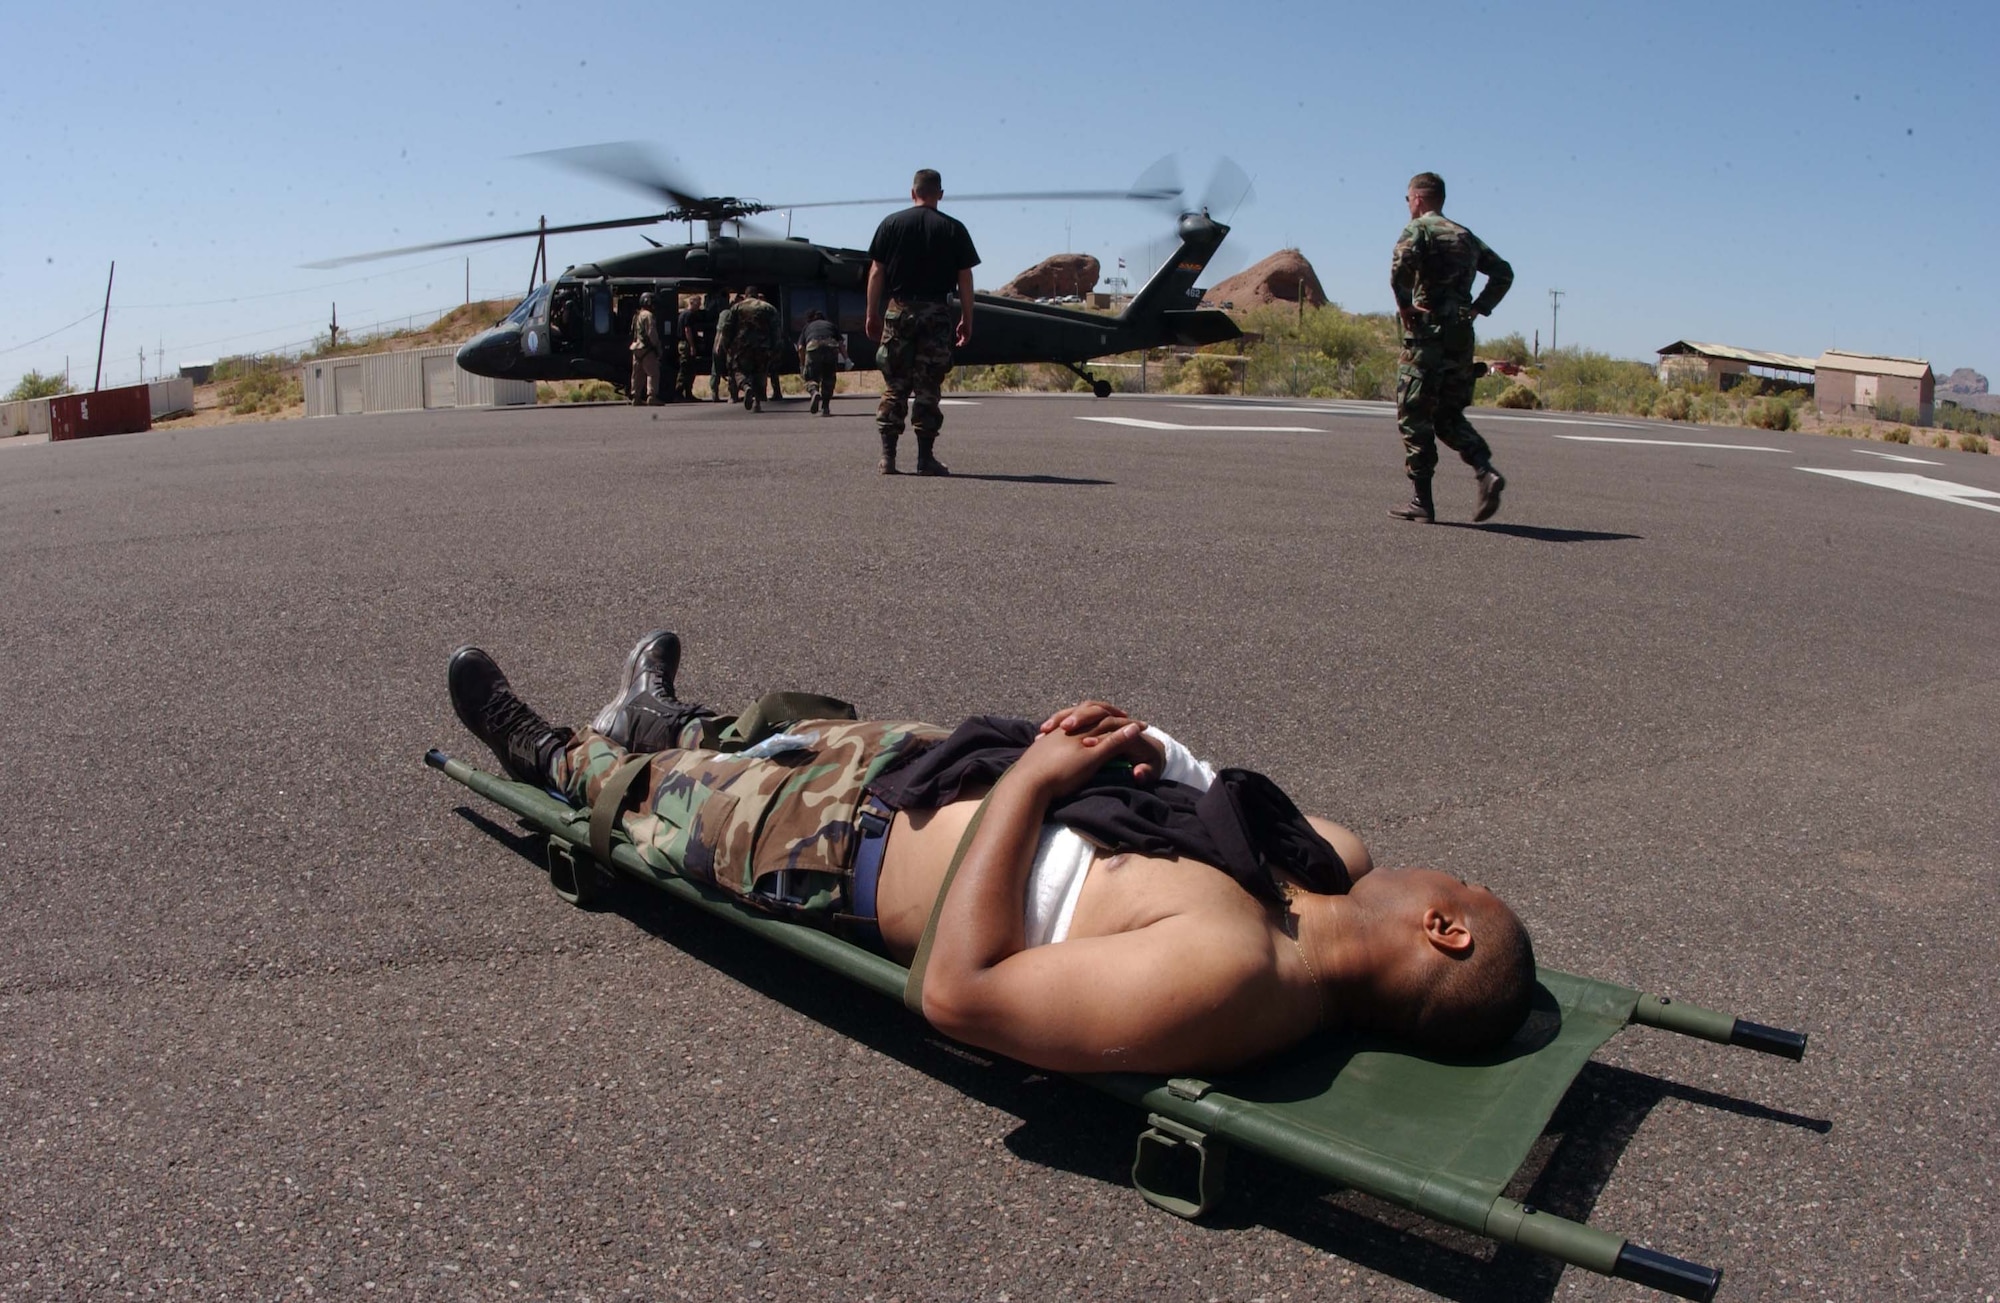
(1309, 411)
(1921, 485)
(958, 402)
(1546, 420)
(1667, 443)
(1890, 456)
(1138, 424)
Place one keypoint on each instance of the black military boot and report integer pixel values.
(645, 715)
(926, 463)
(1419, 506)
(888, 463)
(527, 745)
(1490, 483)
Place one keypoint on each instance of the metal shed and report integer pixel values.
(1864, 384)
(413, 380)
(1723, 365)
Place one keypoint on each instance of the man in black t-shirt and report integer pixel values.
(819, 360)
(918, 257)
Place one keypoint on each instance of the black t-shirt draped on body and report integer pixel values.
(922, 251)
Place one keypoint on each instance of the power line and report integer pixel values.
(15, 348)
(308, 289)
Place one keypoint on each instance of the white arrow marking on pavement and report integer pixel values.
(1309, 411)
(1921, 485)
(958, 402)
(1668, 443)
(1544, 420)
(1890, 456)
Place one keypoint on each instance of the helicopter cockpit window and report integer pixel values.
(534, 307)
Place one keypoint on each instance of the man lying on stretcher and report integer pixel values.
(1202, 921)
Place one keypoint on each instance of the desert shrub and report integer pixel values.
(1325, 349)
(1487, 389)
(1971, 443)
(1768, 414)
(1673, 405)
(1968, 420)
(1206, 373)
(1898, 434)
(1939, 439)
(1518, 396)
(1507, 348)
(1579, 380)
(576, 391)
(249, 385)
(1888, 409)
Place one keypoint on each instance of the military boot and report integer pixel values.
(526, 744)
(1419, 506)
(926, 463)
(645, 715)
(888, 463)
(1490, 484)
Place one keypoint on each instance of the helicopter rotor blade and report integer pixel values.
(531, 232)
(1229, 188)
(1008, 196)
(628, 162)
(1162, 181)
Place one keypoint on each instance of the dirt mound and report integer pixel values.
(1053, 278)
(1284, 277)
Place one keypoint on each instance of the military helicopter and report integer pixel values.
(576, 327)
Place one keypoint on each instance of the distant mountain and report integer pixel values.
(1057, 277)
(1962, 381)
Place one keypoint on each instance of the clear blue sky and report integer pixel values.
(1779, 176)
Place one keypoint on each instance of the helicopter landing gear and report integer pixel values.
(1101, 388)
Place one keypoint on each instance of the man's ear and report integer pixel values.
(1448, 932)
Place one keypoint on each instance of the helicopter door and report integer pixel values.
(600, 309)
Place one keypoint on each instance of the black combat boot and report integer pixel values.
(1490, 483)
(1419, 506)
(888, 463)
(527, 745)
(926, 463)
(645, 715)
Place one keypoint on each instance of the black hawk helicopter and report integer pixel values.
(576, 327)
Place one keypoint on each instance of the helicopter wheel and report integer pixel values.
(1102, 388)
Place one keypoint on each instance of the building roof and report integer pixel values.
(1729, 353)
(1909, 368)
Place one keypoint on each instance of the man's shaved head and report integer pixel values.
(928, 183)
(1429, 183)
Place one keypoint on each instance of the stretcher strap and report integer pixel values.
(913, 990)
(610, 800)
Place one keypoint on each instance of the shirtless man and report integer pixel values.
(1166, 963)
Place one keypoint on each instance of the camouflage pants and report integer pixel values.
(753, 364)
(645, 378)
(823, 371)
(1433, 389)
(718, 370)
(915, 357)
(690, 367)
(779, 831)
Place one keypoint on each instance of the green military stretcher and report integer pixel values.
(1441, 1138)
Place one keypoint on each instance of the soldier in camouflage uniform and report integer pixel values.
(755, 340)
(645, 355)
(719, 366)
(1431, 272)
(918, 257)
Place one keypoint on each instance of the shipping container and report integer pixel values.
(107, 411)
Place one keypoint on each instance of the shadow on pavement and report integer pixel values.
(1070, 1128)
(1027, 479)
(1541, 534)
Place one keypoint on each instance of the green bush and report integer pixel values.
(1507, 348)
(1900, 434)
(1673, 405)
(1579, 380)
(1968, 420)
(36, 385)
(1487, 389)
(1519, 396)
(1323, 350)
(249, 385)
(1768, 414)
(1206, 373)
(1888, 409)
(1971, 443)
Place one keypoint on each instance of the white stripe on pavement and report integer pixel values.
(1547, 420)
(1921, 485)
(1890, 456)
(1309, 411)
(1668, 443)
(1138, 424)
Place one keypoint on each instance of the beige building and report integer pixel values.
(1863, 383)
(1723, 366)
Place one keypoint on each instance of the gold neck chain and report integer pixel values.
(1298, 927)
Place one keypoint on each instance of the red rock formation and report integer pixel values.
(1284, 277)
(1066, 273)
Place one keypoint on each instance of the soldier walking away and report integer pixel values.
(918, 257)
(819, 360)
(1431, 272)
(720, 365)
(693, 332)
(753, 345)
(645, 355)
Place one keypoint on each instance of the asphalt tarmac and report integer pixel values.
(284, 1014)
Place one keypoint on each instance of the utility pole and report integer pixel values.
(98, 379)
(468, 281)
(1555, 307)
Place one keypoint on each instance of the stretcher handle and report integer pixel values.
(1674, 1015)
(1666, 1273)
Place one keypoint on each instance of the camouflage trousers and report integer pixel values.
(753, 364)
(822, 372)
(915, 357)
(779, 830)
(690, 367)
(1433, 388)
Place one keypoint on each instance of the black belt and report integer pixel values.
(873, 820)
